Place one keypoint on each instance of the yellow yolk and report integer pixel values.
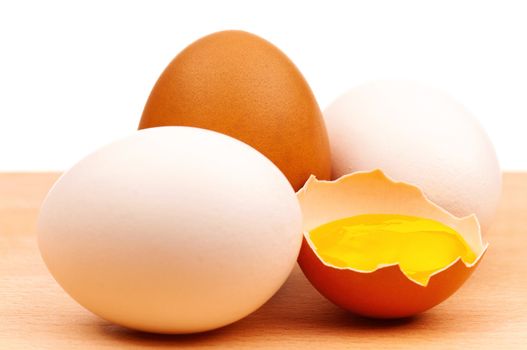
(365, 242)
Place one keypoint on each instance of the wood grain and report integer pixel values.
(490, 311)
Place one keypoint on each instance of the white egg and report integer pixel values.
(171, 230)
(418, 135)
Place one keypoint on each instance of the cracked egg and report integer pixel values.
(381, 248)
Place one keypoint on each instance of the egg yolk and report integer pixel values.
(365, 242)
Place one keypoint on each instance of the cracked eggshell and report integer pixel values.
(385, 292)
(171, 230)
(243, 86)
(418, 135)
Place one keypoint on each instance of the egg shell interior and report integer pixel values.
(385, 292)
(373, 192)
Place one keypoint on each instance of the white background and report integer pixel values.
(75, 75)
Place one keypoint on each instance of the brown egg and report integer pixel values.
(241, 85)
(389, 290)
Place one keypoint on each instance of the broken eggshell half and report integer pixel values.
(385, 292)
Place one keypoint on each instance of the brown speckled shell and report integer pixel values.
(383, 293)
(238, 84)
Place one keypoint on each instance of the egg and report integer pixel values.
(418, 135)
(381, 248)
(240, 85)
(171, 230)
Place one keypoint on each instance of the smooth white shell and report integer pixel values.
(171, 230)
(417, 135)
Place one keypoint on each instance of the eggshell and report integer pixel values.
(418, 135)
(385, 292)
(239, 84)
(171, 230)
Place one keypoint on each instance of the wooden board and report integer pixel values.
(490, 311)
